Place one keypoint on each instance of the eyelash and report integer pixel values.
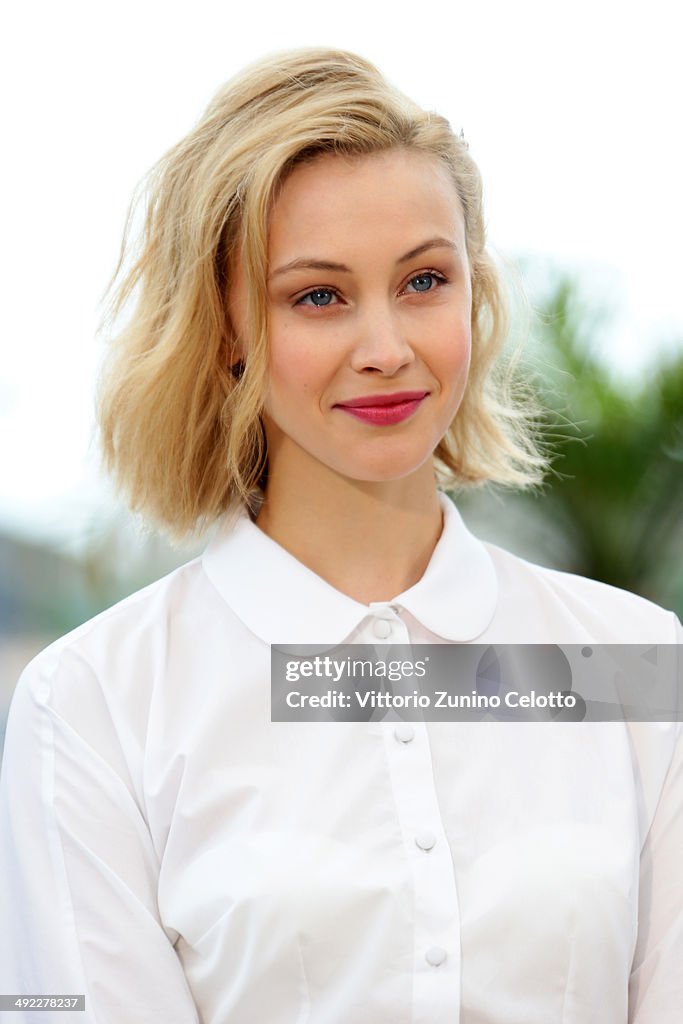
(439, 278)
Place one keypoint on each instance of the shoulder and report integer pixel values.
(575, 606)
(124, 644)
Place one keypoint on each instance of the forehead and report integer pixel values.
(348, 201)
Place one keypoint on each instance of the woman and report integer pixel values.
(312, 354)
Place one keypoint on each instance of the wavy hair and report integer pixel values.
(180, 423)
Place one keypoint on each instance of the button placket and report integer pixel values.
(436, 951)
(436, 933)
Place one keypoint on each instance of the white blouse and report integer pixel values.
(174, 856)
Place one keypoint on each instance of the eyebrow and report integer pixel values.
(306, 263)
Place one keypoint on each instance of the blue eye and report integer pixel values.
(319, 297)
(424, 282)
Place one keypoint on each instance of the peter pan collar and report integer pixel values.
(283, 602)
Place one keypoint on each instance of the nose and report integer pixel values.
(381, 343)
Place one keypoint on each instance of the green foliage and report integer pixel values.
(617, 480)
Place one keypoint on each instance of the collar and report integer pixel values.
(282, 601)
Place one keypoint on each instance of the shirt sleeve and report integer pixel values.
(78, 868)
(656, 984)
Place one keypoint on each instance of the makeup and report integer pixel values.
(384, 410)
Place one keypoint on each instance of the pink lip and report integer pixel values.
(375, 400)
(383, 410)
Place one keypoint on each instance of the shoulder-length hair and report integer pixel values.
(180, 424)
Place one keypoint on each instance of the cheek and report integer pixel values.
(456, 350)
(465, 353)
(288, 362)
(297, 369)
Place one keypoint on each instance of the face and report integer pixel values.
(369, 306)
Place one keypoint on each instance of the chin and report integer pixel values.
(384, 472)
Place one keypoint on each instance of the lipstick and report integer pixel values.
(384, 410)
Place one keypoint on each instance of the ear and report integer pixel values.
(236, 297)
(234, 349)
(234, 353)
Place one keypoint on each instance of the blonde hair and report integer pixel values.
(180, 430)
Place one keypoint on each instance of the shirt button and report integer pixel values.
(404, 733)
(435, 955)
(425, 840)
(382, 628)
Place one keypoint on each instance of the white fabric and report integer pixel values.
(176, 857)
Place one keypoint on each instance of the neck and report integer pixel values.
(368, 540)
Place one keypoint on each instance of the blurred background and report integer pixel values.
(570, 110)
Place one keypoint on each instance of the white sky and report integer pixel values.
(572, 112)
